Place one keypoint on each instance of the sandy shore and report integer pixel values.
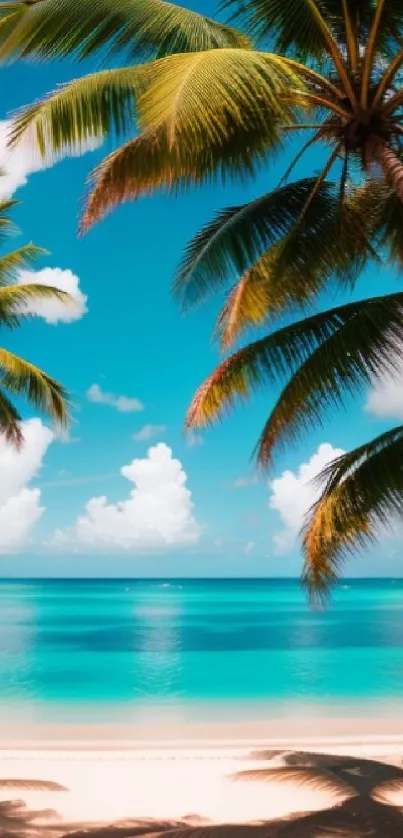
(303, 731)
(111, 775)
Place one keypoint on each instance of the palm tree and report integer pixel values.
(17, 376)
(216, 102)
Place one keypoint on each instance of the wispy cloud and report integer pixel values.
(76, 481)
(194, 440)
(249, 547)
(242, 482)
(148, 432)
(124, 404)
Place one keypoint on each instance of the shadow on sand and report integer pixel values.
(365, 790)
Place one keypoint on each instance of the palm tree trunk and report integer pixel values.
(391, 165)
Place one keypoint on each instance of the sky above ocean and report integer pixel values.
(126, 493)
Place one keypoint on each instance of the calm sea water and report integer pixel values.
(74, 649)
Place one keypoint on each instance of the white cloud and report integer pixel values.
(243, 482)
(24, 159)
(194, 440)
(293, 494)
(20, 506)
(56, 311)
(385, 400)
(148, 431)
(157, 514)
(124, 404)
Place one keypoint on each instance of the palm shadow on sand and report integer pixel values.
(363, 810)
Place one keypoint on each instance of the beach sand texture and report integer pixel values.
(198, 792)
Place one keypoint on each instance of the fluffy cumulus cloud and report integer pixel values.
(56, 311)
(17, 163)
(385, 400)
(157, 514)
(124, 404)
(293, 494)
(148, 432)
(20, 504)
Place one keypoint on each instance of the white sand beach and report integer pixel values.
(102, 782)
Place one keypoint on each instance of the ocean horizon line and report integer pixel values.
(347, 580)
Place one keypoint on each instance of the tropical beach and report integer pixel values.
(155, 745)
(201, 614)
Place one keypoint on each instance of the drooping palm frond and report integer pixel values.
(6, 224)
(44, 392)
(292, 219)
(10, 421)
(175, 96)
(22, 257)
(138, 28)
(171, 103)
(148, 163)
(17, 375)
(230, 244)
(16, 301)
(327, 353)
(364, 345)
(249, 302)
(297, 27)
(81, 111)
(363, 492)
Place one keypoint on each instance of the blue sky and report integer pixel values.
(133, 341)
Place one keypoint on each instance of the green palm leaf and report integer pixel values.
(81, 111)
(10, 421)
(294, 269)
(23, 378)
(147, 163)
(6, 225)
(294, 26)
(238, 236)
(364, 345)
(363, 491)
(15, 301)
(244, 87)
(140, 28)
(23, 257)
(327, 354)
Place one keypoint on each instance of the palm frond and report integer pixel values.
(147, 163)
(363, 342)
(16, 301)
(293, 27)
(362, 492)
(10, 421)
(81, 111)
(249, 303)
(244, 87)
(22, 257)
(326, 353)
(6, 225)
(23, 378)
(238, 236)
(139, 29)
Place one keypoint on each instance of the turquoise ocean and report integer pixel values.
(99, 650)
